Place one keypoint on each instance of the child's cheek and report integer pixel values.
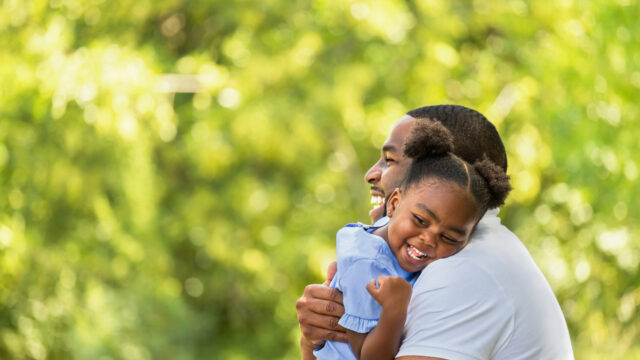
(407, 228)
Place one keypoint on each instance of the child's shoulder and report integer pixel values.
(353, 242)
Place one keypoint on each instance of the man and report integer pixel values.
(489, 301)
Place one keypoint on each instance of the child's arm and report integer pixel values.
(383, 342)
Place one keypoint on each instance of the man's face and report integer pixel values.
(387, 173)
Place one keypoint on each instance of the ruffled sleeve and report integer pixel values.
(357, 324)
(361, 310)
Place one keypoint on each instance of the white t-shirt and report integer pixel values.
(489, 301)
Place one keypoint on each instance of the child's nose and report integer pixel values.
(428, 237)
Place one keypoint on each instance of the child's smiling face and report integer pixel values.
(430, 221)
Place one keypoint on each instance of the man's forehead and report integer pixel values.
(399, 134)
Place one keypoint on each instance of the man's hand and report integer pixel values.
(392, 290)
(331, 273)
(319, 310)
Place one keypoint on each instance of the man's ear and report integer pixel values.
(394, 200)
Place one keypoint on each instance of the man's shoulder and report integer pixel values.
(492, 284)
(457, 310)
(491, 226)
(494, 257)
(493, 254)
(458, 274)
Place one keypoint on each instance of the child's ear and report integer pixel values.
(392, 203)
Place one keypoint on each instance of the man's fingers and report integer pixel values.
(318, 314)
(319, 306)
(317, 291)
(331, 272)
(329, 336)
(320, 327)
(335, 295)
(338, 336)
(319, 310)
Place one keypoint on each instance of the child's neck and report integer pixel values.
(383, 232)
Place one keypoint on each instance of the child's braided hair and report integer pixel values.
(430, 146)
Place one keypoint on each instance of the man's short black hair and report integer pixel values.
(473, 135)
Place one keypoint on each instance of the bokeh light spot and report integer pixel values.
(446, 54)
(338, 162)
(613, 240)
(360, 10)
(620, 210)
(325, 193)
(254, 260)
(229, 98)
(631, 170)
(193, 287)
(259, 200)
(583, 270)
(6, 236)
(271, 235)
(543, 214)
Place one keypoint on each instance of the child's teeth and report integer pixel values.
(415, 253)
(419, 252)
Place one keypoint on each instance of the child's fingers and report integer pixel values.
(371, 287)
(382, 279)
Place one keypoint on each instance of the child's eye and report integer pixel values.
(449, 239)
(388, 160)
(419, 220)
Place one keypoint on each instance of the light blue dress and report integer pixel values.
(362, 256)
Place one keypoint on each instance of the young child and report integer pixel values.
(431, 216)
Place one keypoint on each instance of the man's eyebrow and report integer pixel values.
(435, 217)
(389, 148)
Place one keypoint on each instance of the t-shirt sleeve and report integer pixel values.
(457, 311)
(361, 310)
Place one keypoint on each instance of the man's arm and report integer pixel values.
(319, 310)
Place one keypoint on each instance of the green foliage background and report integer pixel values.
(139, 220)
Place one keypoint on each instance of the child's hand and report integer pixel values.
(392, 290)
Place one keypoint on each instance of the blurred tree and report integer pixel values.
(174, 172)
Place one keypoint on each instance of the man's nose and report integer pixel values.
(373, 175)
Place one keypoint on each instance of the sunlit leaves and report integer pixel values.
(174, 172)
